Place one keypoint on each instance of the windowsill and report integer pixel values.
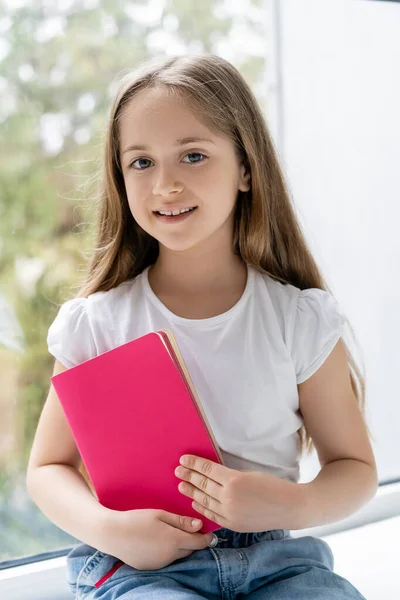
(369, 558)
(364, 547)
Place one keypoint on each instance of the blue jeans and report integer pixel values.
(259, 566)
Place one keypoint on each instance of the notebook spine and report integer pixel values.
(180, 363)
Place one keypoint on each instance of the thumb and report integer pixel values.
(180, 522)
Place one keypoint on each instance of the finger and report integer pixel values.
(211, 515)
(201, 482)
(205, 500)
(179, 522)
(183, 553)
(193, 541)
(212, 470)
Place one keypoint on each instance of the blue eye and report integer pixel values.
(138, 160)
(196, 154)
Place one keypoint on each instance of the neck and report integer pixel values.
(197, 271)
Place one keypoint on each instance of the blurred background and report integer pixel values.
(326, 74)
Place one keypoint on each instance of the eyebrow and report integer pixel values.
(179, 142)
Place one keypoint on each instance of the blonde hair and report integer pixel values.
(267, 234)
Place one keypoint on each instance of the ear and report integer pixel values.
(244, 179)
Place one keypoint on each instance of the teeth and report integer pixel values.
(175, 212)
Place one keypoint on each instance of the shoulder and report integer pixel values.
(96, 307)
(311, 322)
(76, 334)
(283, 295)
(279, 299)
(102, 304)
(69, 337)
(298, 307)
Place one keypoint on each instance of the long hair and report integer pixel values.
(267, 234)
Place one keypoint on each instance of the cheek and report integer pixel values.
(138, 212)
(225, 201)
(217, 194)
(136, 194)
(134, 206)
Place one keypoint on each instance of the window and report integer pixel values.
(339, 138)
(59, 60)
(326, 74)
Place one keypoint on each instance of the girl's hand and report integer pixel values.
(244, 501)
(151, 539)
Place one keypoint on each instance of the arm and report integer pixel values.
(143, 539)
(348, 477)
(252, 501)
(340, 489)
(54, 481)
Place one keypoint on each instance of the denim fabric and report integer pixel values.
(260, 566)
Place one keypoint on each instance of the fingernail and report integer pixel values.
(195, 522)
(214, 541)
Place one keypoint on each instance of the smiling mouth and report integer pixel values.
(175, 213)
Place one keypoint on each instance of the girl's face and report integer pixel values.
(169, 173)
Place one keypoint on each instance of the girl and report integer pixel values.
(196, 232)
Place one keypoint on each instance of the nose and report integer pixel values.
(165, 183)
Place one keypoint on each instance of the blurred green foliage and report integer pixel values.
(58, 62)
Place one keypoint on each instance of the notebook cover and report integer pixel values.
(132, 417)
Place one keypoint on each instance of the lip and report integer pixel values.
(172, 208)
(174, 220)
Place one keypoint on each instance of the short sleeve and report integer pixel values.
(319, 323)
(70, 338)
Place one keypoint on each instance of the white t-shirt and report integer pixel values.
(245, 363)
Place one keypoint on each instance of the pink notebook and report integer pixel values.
(133, 412)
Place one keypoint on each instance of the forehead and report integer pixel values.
(156, 114)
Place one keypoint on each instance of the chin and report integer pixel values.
(178, 246)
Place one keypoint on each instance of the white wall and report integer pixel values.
(340, 143)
